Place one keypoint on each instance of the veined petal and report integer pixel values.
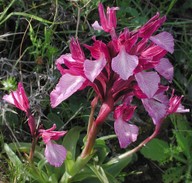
(126, 133)
(96, 26)
(164, 40)
(55, 154)
(165, 69)
(92, 68)
(68, 84)
(155, 109)
(124, 64)
(148, 82)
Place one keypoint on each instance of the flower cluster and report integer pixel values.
(129, 66)
(54, 153)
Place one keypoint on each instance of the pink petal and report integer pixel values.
(155, 109)
(93, 68)
(68, 84)
(50, 134)
(148, 82)
(18, 98)
(32, 124)
(55, 154)
(76, 51)
(108, 22)
(96, 26)
(9, 99)
(175, 105)
(124, 64)
(181, 109)
(126, 133)
(164, 40)
(165, 68)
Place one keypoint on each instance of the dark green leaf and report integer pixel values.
(116, 165)
(156, 150)
(71, 139)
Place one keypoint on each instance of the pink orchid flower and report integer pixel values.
(126, 132)
(129, 65)
(175, 105)
(80, 72)
(108, 21)
(54, 153)
(19, 99)
(159, 106)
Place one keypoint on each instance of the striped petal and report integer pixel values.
(124, 64)
(164, 40)
(148, 82)
(55, 154)
(126, 133)
(68, 84)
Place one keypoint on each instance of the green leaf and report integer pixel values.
(156, 150)
(78, 166)
(54, 118)
(99, 172)
(53, 178)
(183, 134)
(116, 165)
(12, 156)
(174, 174)
(85, 173)
(102, 150)
(70, 140)
(38, 174)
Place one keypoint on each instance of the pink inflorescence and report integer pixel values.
(131, 65)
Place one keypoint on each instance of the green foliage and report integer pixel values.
(9, 84)
(176, 156)
(156, 150)
(41, 47)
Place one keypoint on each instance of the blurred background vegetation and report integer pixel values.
(34, 33)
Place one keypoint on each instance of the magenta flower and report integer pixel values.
(54, 153)
(130, 64)
(80, 72)
(126, 132)
(108, 21)
(159, 106)
(19, 99)
(175, 105)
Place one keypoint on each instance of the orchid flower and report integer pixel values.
(54, 153)
(19, 99)
(159, 106)
(80, 71)
(108, 21)
(130, 64)
(126, 132)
